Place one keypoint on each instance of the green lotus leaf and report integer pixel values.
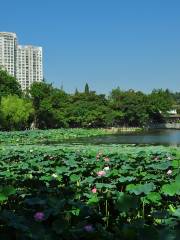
(105, 185)
(93, 200)
(161, 166)
(154, 197)
(3, 197)
(171, 189)
(176, 163)
(140, 188)
(61, 170)
(5, 192)
(74, 178)
(126, 179)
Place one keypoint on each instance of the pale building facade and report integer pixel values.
(8, 52)
(29, 65)
(22, 62)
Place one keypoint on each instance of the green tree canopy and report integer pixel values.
(160, 102)
(86, 88)
(50, 105)
(131, 104)
(87, 110)
(8, 85)
(54, 108)
(16, 112)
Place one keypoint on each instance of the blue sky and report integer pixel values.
(107, 43)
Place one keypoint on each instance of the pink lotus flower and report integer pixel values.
(99, 155)
(169, 172)
(94, 190)
(101, 173)
(39, 216)
(89, 228)
(106, 159)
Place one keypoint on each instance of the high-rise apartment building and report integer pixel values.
(8, 52)
(29, 65)
(22, 62)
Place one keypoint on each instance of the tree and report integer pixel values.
(159, 102)
(116, 99)
(53, 109)
(131, 105)
(87, 110)
(76, 91)
(8, 85)
(114, 118)
(86, 88)
(50, 104)
(16, 112)
(39, 91)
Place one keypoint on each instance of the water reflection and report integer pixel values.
(155, 137)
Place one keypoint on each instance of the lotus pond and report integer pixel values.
(89, 192)
(48, 136)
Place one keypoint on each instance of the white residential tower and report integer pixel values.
(8, 52)
(29, 65)
(22, 62)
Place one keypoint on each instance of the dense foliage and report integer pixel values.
(16, 112)
(8, 85)
(83, 193)
(54, 108)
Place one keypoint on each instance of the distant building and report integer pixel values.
(29, 65)
(22, 62)
(172, 112)
(8, 52)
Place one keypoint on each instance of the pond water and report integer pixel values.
(154, 137)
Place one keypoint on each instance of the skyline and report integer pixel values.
(105, 43)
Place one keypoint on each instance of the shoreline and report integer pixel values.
(123, 129)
